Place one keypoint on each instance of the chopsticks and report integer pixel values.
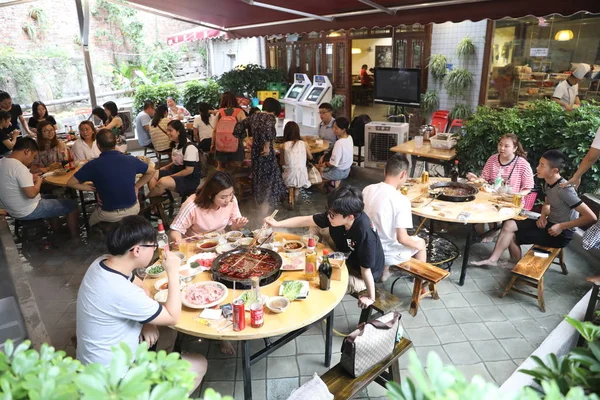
(264, 226)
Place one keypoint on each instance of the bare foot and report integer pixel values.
(485, 262)
(385, 275)
(227, 348)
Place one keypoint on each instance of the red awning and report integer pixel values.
(240, 19)
(192, 35)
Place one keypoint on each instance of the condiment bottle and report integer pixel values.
(162, 239)
(310, 269)
(454, 172)
(325, 272)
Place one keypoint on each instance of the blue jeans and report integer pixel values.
(51, 208)
(335, 174)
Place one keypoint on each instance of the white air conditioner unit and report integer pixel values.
(126, 114)
(380, 137)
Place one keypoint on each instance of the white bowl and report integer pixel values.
(159, 283)
(233, 236)
(282, 304)
(224, 248)
(244, 241)
(158, 263)
(161, 296)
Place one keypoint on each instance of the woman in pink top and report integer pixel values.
(512, 165)
(212, 208)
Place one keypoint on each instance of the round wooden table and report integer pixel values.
(484, 209)
(297, 319)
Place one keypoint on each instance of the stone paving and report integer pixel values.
(469, 327)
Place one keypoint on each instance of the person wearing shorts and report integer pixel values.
(338, 166)
(391, 214)
(562, 212)
(352, 232)
(20, 190)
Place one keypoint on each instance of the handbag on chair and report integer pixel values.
(370, 343)
(314, 176)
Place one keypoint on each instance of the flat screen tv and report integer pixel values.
(398, 86)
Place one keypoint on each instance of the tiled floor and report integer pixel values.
(470, 326)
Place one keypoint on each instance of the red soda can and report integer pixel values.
(257, 315)
(239, 315)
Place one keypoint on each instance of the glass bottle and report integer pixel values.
(310, 269)
(162, 239)
(454, 172)
(325, 272)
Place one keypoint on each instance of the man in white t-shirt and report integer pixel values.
(142, 124)
(20, 190)
(566, 92)
(113, 306)
(390, 212)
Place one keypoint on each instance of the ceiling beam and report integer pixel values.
(378, 7)
(288, 10)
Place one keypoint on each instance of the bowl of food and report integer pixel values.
(249, 298)
(291, 246)
(161, 295)
(224, 248)
(278, 304)
(201, 261)
(155, 270)
(244, 241)
(265, 233)
(204, 294)
(208, 245)
(233, 236)
(212, 235)
(161, 284)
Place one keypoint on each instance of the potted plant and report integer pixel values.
(460, 111)
(195, 92)
(49, 374)
(465, 48)
(429, 102)
(337, 102)
(247, 80)
(438, 66)
(458, 81)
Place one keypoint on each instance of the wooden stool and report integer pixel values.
(384, 303)
(243, 186)
(148, 150)
(159, 155)
(28, 230)
(343, 386)
(292, 197)
(530, 271)
(423, 273)
(157, 204)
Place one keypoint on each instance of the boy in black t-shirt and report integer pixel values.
(352, 232)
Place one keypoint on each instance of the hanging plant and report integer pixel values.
(461, 111)
(465, 48)
(429, 101)
(31, 30)
(458, 81)
(438, 66)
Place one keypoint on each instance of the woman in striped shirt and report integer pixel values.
(511, 164)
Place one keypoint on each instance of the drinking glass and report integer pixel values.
(418, 142)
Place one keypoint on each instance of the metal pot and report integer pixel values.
(427, 131)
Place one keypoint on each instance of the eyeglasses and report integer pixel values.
(154, 246)
(324, 112)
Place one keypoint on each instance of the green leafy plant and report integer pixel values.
(337, 102)
(49, 374)
(465, 48)
(247, 80)
(195, 92)
(39, 15)
(461, 111)
(575, 376)
(429, 101)
(458, 82)
(438, 66)
(544, 125)
(157, 93)
(31, 30)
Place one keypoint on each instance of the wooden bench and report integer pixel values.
(384, 303)
(423, 273)
(343, 386)
(530, 271)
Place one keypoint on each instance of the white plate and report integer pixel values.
(303, 292)
(293, 261)
(197, 257)
(214, 303)
(161, 296)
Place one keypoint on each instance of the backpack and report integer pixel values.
(226, 142)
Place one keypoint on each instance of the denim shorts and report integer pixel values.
(51, 208)
(335, 174)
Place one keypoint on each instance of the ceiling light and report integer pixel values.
(564, 35)
(356, 50)
(334, 34)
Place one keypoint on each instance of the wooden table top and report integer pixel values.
(482, 209)
(426, 151)
(299, 314)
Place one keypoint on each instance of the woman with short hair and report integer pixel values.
(40, 113)
(85, 148)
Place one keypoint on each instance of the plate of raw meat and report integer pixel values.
(204, 294)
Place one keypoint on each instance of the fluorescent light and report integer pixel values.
(334, 34)
(356, 50)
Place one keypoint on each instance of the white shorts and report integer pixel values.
(401, 256)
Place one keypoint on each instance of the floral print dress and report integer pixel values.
(267, 184)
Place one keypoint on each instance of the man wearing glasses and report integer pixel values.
(352, 232)
(326, 125)
(113, 306)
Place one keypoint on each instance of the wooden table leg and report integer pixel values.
(433, 291)
(414, 302)
(395, 371)
(246, 370)
(540, 293)
(328, 339)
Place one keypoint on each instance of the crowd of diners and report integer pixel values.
(371, 225)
